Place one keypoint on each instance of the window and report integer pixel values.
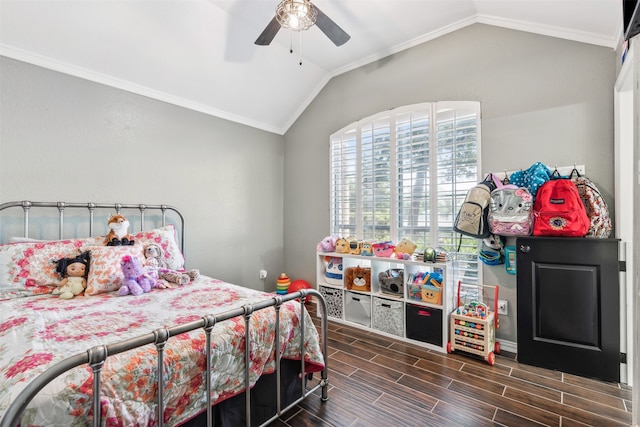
(405, 173)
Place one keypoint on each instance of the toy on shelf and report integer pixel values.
(355, 246)
(342, 246)
(328, 244)
(426, 286)
(333, 270)
(473, 323)
(358, 279)
(366, 249)
(405, 249)
(391, 281)
(383, 249)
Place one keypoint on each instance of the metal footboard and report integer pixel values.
(96, 357)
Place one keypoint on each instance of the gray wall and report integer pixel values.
(542, 99)
(67, 139)
(64, 138)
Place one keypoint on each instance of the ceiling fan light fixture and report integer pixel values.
(296, 15)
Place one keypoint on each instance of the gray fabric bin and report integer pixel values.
(388, 316)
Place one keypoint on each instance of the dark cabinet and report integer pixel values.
(568, 305)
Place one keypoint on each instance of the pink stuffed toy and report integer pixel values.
(328, 244)
(136, 280)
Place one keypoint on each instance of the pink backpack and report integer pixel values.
(510, 211)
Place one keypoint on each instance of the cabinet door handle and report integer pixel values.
(525, 248)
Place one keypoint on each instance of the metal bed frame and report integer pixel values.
(96, 356)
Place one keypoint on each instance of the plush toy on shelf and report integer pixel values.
(74, 271)
(328, 244)
(157, 268)
(136, 279)
(118, 232)
(405, 249)
(342, 246)
(358, 279)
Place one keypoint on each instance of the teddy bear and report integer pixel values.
(136, 280)
(405, 248)
(118, 232)
(157, 268)
(74, 271)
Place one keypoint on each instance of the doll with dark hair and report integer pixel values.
(74, 271)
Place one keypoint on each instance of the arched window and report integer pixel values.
(404, 173)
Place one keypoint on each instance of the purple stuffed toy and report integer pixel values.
(136, 280)
(328, 244)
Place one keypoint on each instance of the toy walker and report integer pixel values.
(473, 323)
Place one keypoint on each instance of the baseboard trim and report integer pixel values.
(509, 346)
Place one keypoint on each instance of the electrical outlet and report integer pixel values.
(263, 274)
(502, 307)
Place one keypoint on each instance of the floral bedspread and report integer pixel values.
(38, 331)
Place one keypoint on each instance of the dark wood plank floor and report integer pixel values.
(378, 381)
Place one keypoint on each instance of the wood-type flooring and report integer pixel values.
(379, 381)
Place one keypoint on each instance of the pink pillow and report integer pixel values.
(105, 273)
(34, 263)
(166, 237)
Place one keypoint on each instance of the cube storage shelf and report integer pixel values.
(414, 312)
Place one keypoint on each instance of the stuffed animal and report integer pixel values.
(118, 232)
(328, 244)
(74, 271)
(366, 249)
(355, 245)
(405, 248)
(333, 270)
(342, 246)
(157, 268)
(358, 279)
(136, 280)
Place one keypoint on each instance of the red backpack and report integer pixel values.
(559, 211)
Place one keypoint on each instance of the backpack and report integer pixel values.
(510, 211)
(492, 250)
(595, 206)
(559, 211)
(532, 179)
(472, 216)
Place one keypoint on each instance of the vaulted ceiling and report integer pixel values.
(200, 54)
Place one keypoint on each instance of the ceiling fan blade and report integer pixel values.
(336, 34)
(267, 36)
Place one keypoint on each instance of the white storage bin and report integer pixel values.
(357, 308)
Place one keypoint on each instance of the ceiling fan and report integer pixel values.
(299, 15)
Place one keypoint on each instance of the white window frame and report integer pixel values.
(433, 109)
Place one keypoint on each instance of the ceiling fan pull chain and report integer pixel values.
(290, 41)
(300, 53)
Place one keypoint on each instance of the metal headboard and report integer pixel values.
(91, 207)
